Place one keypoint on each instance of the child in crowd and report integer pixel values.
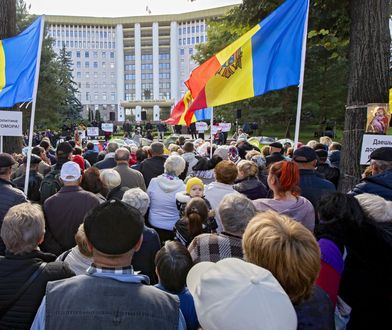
(194, 222)
(173, 263)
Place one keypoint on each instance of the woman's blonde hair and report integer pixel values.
(287, 249)
(326, 140)
(248, 168)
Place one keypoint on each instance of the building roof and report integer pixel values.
(87, 20)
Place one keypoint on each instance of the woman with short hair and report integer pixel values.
(22, 230)
(162, 192)
(291, 253)
(248, 182)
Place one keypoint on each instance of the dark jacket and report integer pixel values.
(313, 186)
(64, 212)
(14, 272)
(366, 284)
(244, 147)
(316, 313)
(152, 167)
(379, 184)
(106, 163)
(9, 197)
(252, 188)
(330, 173)
(91, 156)
(144, 259)
(35, 179)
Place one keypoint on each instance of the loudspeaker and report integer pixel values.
(238, 113)
(112, 116)
(144, 115)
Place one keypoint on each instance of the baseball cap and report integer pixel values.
(63, 149)
(113, 227)
(33, 160)
(321, 153)
(276, 145)
(234, 294)
(383, 153)
(6, 160)
(304, 155)
(70, 171)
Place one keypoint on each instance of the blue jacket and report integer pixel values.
(9, 197)
(379, 184)
(313, 186)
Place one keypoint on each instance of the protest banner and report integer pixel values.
(92, 131)
(372, 142)
(107, 127)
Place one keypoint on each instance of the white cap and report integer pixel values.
(70, 171)
(234, 294)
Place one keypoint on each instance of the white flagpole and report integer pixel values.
(31, 130)
(301, 81)
(211, 135)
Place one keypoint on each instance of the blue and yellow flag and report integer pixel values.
(18, 60)
(266, 58)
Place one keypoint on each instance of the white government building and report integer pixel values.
(137, 62)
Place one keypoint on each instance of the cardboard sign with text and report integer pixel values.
(372, 142)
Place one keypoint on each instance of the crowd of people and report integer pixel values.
(171, 238)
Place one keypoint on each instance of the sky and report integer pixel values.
(118, 8)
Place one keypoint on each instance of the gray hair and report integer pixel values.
(138, 199)
(121, 154)
(110, 178)
(112, 147)
(375, 207)
(382, 165)
(156, 148)
(23, 228)
(235, 211)
(174, 165)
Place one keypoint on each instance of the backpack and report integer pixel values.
(50, 185)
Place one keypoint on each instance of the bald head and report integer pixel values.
(122, 155)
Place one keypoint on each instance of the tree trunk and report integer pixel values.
(369, 56)
(8, 29)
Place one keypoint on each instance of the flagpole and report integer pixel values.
(301, 80)
(31, 130)
(211, 135)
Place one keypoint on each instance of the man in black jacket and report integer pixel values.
(9, 194)
(23, 229)
(152, 167)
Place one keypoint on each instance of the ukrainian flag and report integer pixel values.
(18, 60)
(266, 58)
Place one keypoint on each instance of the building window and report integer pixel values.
(96, 96)
(183, 30)
(179, 31)
(104, 98)
(103, 85)
(86, 65)
(87, 74)
(103, 75)
(202, 38)
(103, 54)
(87, 96)
(112, 75)
(95, 64)
(86, 54)
(188, 29)
(179, 41)
(78, 64)
(113, 85)
(95, 54)
(96, 75)
(190, 51)
(111, 54)
(77, 53)
(103, 65)
(193, 40)
(87, 85)
(197, 40)
(193, 29)
(95, 85)
(72, 43)
(188, 40)
(111, 65)
(113, 97)
(202, 28)
(197, 28)
(78, 75)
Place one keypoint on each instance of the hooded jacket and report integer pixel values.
(299, 209)
(379, 184)
(163, 209)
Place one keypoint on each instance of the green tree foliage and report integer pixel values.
(55, 101)
(70, 107)
(326, 63)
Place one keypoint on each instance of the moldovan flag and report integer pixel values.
(18, 60)
(266, 58)
(177, 116)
